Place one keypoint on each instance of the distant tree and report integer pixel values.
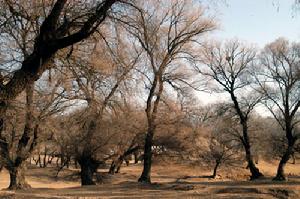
(221, 152)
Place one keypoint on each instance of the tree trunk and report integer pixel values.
(75, 164)
(117, 163)
(112, 168)
(116, 166)
(88, 167)
(145, 177)
(215, 169)
(17, 178)
(45, 161)
(87, 174)
(136, 158)
(280, 176)
(255, 173)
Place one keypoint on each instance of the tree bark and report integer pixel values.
(255, 173)
(88, 167)
(145, 177)
(215, 169)
(280, 175)
(87, 173)
(17, 177)
(112, 168)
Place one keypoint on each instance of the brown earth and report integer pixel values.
(170, 181)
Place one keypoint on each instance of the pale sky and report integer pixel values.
(255, 21)
(258, 21)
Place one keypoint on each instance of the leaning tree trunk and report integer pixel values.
(145, 177)
(117, 163)
(280, 175)
(151, 117)
(216, 168)
(112, 168)
(255, 173)
(17, 177)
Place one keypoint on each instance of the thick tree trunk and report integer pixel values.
(145, 177)
(17, 178)
(280, 176)
(88, 167)
(87, 174)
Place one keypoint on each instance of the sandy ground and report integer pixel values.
(170, 181)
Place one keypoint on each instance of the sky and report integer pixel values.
(258, 21)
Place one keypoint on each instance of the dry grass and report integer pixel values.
(171, 181)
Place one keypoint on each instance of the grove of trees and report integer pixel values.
(93, 83)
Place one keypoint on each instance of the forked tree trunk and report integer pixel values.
(145, 177)
(280, 175)
(17, 178)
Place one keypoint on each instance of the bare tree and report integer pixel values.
(19, 139)
(278, 77)
(54, 33)
(165, 31)
(229, 66)
(37, 30)
(222, 151)
(96, 80)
